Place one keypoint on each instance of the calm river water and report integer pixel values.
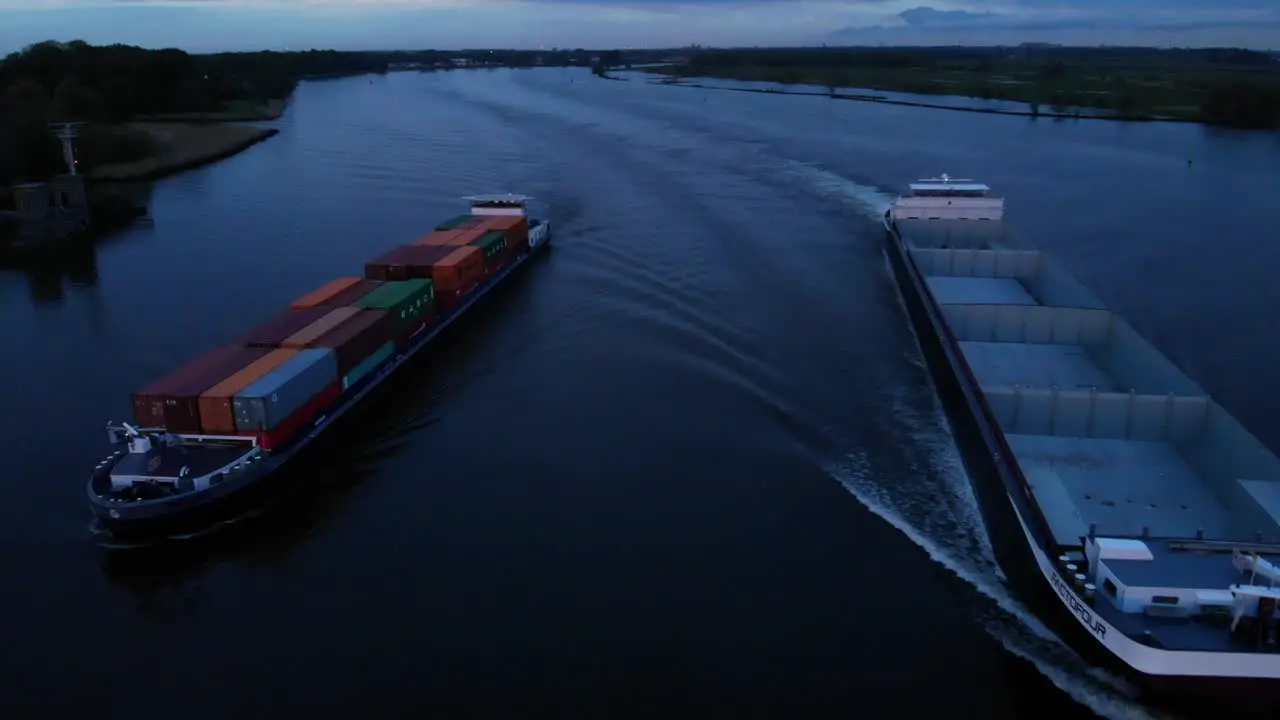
(691, 460)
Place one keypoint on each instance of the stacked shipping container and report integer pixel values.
(280, 378)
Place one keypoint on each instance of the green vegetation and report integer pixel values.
(1239, 88)
(112, 88)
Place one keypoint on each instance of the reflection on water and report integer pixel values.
(50, 270)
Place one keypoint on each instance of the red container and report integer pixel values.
(324, 293)
(429, 320)
(352, 294)
(446, 299)
(217, 416)
(301, 420)
(274, 331)
(514, 227)
(173, 401)
(460, 269)
(439, 237)
(307, 336)
(406, 262)
(466, 236)
(449, 299)
(357, 338)
(408, 334)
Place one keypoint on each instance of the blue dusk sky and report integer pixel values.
(211, 25)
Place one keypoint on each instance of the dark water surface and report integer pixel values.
(690, 460)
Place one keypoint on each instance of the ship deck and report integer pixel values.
(1108, 433)
(167, 462)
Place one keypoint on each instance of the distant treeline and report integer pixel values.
(1220, 86)
(107, 85)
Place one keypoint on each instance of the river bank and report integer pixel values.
(1071, 113)
(1225, 88)
(236, 111)
(182, 146)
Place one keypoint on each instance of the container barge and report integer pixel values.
(207, 435)
(1135, 515)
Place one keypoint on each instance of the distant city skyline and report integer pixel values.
(214, 25)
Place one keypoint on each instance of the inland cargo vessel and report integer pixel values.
(209, 433)
(1129, 508)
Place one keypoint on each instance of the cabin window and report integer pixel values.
(1109, 586)
(1164, 599)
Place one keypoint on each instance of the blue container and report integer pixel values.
(278, 394)
(369, 365)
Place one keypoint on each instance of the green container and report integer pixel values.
(404, 300)
(453, 223)
(492, 244)
(368, 365)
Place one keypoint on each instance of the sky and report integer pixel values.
(213, 25)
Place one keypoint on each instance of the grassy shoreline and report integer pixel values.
(1074, 84)
(1070, 113)
(183, 146)
(235, 112)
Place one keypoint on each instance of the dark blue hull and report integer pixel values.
(250, 491)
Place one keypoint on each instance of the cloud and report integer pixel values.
(927, 16)
(1244, 23)
(385, 24)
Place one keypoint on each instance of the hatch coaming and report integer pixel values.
(1113, 440)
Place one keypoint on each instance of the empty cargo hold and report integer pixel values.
(1021, 277)
(947, 290)
(1125, 487)
(1132, 464)
(1068, 347)
(274, 396)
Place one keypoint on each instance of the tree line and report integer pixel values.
(104, 86)
(1220, 86)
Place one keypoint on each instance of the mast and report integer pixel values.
(66, 132)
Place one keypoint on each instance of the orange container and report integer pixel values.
(459, 269)
(309, 334)
(324, 293)
(514, 227)
(467, 236)
(216, 415)
(439, 237)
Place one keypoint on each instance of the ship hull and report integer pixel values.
(1018, 535)
(127, 524)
